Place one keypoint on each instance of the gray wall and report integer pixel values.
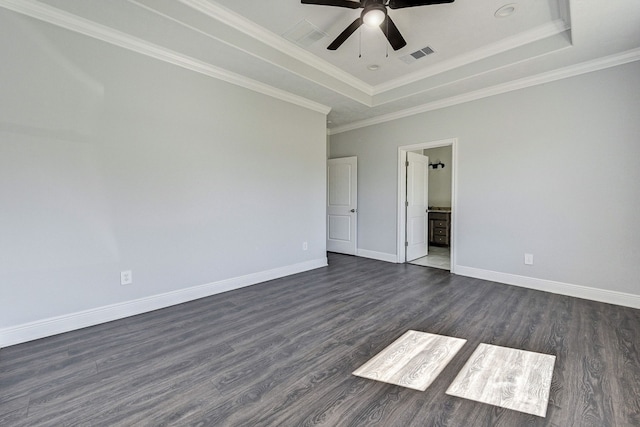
(110, 160)
(440, 178)
(550, 170)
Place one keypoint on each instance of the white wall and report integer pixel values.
(440, 178)
(550, 170)
(110, 161)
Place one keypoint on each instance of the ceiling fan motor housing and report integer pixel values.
(374, 12)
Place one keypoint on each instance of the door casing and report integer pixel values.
(344, 211)
(402, 189)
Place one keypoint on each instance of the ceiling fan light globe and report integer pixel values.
(374, 17)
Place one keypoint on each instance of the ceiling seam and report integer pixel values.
(472, 76)
(367, 102)
(537, 34)
(114, 37)
(547, 77)
(226, 16)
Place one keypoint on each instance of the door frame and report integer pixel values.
(402, 189)
(353, 216)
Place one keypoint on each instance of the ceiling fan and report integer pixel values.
(374, 15)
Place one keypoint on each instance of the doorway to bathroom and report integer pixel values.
(426, 204)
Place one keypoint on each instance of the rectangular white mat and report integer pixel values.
(506, 377)
(414, 360)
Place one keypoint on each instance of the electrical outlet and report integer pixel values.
(528, 259)
(126, 278)
(305, 246)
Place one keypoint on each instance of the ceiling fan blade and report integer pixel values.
(338, 3)
(398, 4)
(345, 34)
(392, 34)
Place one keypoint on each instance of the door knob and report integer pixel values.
(353, 210)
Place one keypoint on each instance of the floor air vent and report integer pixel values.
(414, 56)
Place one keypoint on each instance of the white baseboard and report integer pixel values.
(594, 294)
(380, 256)
(69, 322)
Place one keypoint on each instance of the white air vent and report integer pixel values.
(304, 34)
(414, 56)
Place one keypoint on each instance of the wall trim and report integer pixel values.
(380, 256)
(578, 291)
(548, 30)
(363, 92)
(72, 321)
(250, 28)
(51, 15)
(551, 76)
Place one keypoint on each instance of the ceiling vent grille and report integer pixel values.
(304, 34)
(418, 54)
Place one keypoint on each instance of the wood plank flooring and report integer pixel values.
(281, 353)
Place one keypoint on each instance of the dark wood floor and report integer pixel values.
(281, 354)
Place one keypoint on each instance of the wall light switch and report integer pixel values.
(528, 259)
(126, 277)
(305, 246)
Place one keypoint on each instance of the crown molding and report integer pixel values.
(551, 29)
(240, 23)
(250, 28)
(463, 79)
(51, 15)
(559, 74)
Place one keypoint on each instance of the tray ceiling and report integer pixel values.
(262, 45)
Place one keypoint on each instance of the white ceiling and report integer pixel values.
(452, 30)
(476, 53)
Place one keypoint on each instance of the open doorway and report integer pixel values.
(439, 215)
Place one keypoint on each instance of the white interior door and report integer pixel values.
(417, 206)
(342, 197)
